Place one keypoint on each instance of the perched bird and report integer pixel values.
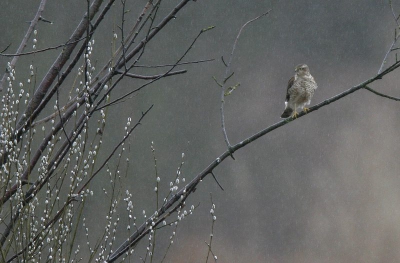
(300, 90)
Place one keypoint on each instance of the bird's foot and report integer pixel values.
(295, 114)
(306, 110)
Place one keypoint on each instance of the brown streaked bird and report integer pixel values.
(300, 90)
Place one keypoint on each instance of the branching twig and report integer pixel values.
(128, 40)
(396, 37)
(212, 253)
(228, 74)
(213, 218)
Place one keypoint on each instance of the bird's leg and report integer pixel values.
(295, 114)
(306, 110)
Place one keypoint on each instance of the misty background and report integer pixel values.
(324, 188)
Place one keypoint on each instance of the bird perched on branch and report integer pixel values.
(300, 90)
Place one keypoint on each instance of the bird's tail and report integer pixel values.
(288, 111)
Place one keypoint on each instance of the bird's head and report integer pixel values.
(302, 70)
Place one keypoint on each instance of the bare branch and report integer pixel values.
(177, 64)
(135, 76)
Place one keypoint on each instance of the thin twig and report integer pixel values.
(153, 241)
(5, 49)
(215, 178)
(169, 246)
(161, 76)
(135, 76)
(45, 20)
(223, 61)
(40, 50)
(59, 114)
(212, 253)
(381, 94)
(177, 64)
(213, 218)
(123, 33)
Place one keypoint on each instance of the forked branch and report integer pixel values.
(228, 74)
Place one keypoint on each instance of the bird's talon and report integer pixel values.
(295, 114)
(306, 110)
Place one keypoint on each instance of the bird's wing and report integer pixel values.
(290, 84)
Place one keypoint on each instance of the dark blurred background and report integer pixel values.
(324, 188)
